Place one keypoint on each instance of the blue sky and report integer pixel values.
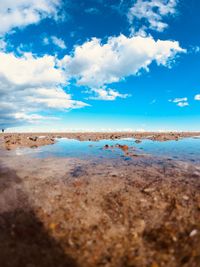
(99, 65)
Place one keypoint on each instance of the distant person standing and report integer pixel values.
(2, 130)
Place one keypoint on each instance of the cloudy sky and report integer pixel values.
(99, 65)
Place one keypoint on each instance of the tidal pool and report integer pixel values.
(185, 149)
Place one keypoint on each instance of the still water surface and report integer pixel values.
(184, 149)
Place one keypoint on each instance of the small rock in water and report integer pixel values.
(123, 147)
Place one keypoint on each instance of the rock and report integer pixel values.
(52, 226)
(125, 148)
(193, 233)
(186, 198)
(113, 174)
(149, 190)
(33, 138)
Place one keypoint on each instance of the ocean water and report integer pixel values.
(185, 149)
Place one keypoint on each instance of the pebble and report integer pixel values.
(113, 174)
(193, 233)
(186, 198)
(149, 190)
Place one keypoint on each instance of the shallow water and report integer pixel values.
(187, 149)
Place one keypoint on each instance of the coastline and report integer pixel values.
(14, 140)
(87, 213)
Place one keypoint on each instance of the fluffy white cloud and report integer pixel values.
(56, 41)
(29, 85)
(197, 97)
(20, 13)
(107, 94)
(181, 102)
(95, 65)
(152, 12)
(29, 70)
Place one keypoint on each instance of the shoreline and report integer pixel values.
(14, 140)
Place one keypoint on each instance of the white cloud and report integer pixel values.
(180, 102)
(56, 41)
(29, 70)
(197, 97)
(177, 100)
(151, 13)
(20, 13)
(107, 94)
(29, 85)
(183, 104)
(32, 118)
(96, 65)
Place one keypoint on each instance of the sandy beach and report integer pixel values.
(87, 213)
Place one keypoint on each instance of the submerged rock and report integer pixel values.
(125, 148)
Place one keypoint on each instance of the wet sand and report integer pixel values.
(144, 212)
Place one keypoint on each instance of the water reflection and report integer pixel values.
(184, 149)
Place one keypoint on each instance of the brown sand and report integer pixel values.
(113, 213)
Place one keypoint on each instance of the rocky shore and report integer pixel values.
(70, 212)
(13, 140)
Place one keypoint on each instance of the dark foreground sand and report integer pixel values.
(68, 212)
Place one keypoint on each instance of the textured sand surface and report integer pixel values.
(109, 213)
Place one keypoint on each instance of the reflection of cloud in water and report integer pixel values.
(184, 149)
